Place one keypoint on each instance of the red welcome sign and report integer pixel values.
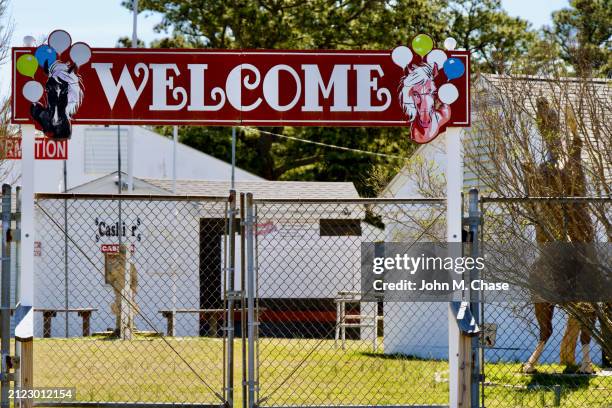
(259, 88)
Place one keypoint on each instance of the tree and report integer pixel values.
(495, 39)
(526, 130)
(6, 31)
(584, 34)
(6, 129)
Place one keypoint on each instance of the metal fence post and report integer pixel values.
(230, 297)
(16, 295)
(6, 293)
(473, 224)
(243, 306)
(66, 280)
(251, 297)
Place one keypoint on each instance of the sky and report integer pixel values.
(101, 22)
(535, 11)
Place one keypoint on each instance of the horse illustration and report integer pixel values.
(561, 223)
(64, 97)
(417, 96)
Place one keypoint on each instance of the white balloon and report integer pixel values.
(448, 93)
(401, 56)
(29, 41)
(60, 41)
(32, 91)
(450, 43)
(80, 53)
(436, 57)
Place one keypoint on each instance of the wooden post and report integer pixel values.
(86, 315)
(48, 316)
(27, 370)
(126, 312)
(169, 315)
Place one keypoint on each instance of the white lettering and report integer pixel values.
(365, 85)
(111, 89)
(161, 84)
(458, 285)
(234, 90)
(271, 87)
(51, 149)
(313, 82)
(197, 74)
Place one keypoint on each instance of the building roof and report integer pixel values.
(262, 189)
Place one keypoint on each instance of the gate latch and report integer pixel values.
(234, 294)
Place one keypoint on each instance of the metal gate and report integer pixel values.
(132, 300)
(315, 342)
(511, 328)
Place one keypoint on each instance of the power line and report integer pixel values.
(348, 149)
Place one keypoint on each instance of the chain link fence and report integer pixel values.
(130, 298)
(515, 332)
(318, 343)
(132, 303)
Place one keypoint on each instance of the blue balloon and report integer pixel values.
(453, 68)
(43, 54)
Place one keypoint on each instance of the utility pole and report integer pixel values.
(233, 158)
(130, 158)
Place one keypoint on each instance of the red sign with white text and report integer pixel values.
(114, 248)
(257, 88)
(44, 148)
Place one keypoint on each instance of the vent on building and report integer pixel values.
(101, 150)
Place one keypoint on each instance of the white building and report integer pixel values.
(179, 253)
(92, 153)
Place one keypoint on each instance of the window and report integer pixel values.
(336, 228)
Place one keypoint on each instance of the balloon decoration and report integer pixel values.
(448, 93)
(450, 43)
(80, 53)
(53, 116)
(60, 40)
(453, 68)
(430, 71)
(422, 44)
(436, 57)
(27, 65)
(401, 56)
(45, 54)
(32, 91)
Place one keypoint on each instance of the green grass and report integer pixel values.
(292, 372)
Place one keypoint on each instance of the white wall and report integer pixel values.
(294, 261)
(167, 260)
(152, 159)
